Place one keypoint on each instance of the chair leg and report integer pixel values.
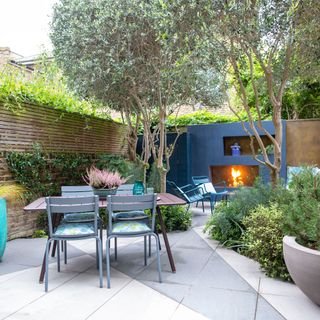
(58, 255)
(150, 246)
(108, 261)
(99, 255)
(197, 204)
(158, 256)
(115, 249)
(202, 206)
(46, 277)
(62, 245)
(145, 249)
(65, 252)
(101, 235)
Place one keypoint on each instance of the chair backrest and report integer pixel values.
(126, 186)
(62, 205)
(125, 189)
(131, 203)
(76, 191)
(205, 183)
(177, 191)
(200, 180)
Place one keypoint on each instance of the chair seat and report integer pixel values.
(78, 217)
(129, 227)
(195, 198)
(220, 193)
(74, 229)
(130, 215)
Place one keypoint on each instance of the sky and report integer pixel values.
(24, 25)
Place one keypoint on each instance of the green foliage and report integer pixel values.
(262, 240)
(45, 87)
(42, 173)
(303, 211)
(198, 117)
(39, 234)
(226, 224)
(176, 218)
(154, 178)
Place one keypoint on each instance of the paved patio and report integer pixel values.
(210, 283)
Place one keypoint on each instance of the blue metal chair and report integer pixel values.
(72, 231)
(210, 192)
(79, 191)
(189, 193)
(119, 205)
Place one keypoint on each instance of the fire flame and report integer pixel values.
(236, 178)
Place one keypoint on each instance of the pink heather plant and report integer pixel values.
(103, 179)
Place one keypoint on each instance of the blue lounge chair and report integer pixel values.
(210, 192)
(189, 193)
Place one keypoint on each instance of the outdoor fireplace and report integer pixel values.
(235, 175)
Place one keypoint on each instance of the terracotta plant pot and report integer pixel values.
(103, 193)
(3, 226)
(304, 267)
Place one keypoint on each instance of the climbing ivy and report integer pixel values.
(43, 173)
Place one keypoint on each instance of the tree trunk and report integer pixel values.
(163, 179)
(132, 145)
(275, 173)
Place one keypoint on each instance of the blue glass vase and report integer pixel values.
(138, 188)
(3, 226)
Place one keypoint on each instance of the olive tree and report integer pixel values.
(135, 56)
(254, 37)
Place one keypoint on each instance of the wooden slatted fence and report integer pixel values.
(56, 131)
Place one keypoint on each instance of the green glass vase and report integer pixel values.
(138, 188)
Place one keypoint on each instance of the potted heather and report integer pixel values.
(103, 182)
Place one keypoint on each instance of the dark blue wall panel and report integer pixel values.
(207, 148)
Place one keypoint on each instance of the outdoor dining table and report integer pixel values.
(163, 199)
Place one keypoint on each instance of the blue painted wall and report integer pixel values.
(203, 146)
(206, 148)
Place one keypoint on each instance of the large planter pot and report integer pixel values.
(103, 193)
(3, 226)
(304, 267)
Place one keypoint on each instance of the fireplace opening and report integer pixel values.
(235, 175)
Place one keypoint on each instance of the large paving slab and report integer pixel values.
(211, 282)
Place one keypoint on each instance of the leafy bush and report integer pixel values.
(176, 218)
(226, 224)
(198, 117)
(46, 87)
(262, 240)
(39, 234)
(303, 211)
(42, 173)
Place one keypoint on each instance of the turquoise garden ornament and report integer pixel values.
(3, 226)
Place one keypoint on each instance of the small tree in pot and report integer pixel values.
(301, 247)
(103, 182)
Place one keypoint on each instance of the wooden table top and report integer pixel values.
(164, 199)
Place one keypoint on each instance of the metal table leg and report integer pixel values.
(165, 238)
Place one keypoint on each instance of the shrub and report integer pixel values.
(303, 212)
(175, 218)
(262, 240)
(39, 234)
(198, 117)
(226, 224)
(42, 173)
